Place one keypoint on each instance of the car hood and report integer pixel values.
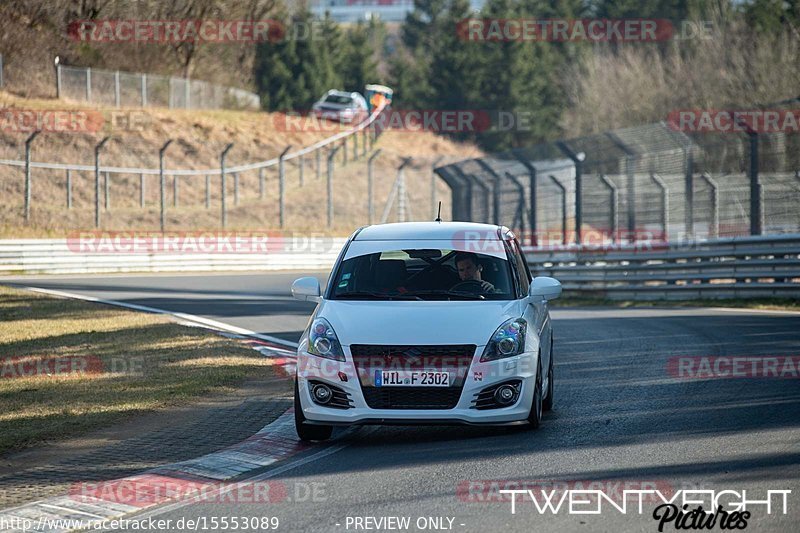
(414, 322)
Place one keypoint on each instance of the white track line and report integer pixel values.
(194, 319)
(292, 464)
(759, 311)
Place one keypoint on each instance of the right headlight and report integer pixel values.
(507, 341)
(322, 341)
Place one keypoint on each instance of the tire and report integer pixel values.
(547, 405)
(535, 414)
(307, 432)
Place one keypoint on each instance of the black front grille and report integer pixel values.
(412, 397)
(446, 352)
(369, 358)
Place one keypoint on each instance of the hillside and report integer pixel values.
(198, 138)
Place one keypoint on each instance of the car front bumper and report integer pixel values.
(478, 377)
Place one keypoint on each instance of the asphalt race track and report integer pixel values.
(621, 416)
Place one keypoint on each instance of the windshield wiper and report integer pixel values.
(461, 295)
(360, 295)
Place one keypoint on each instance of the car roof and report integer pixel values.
(334, 92)
(417, 231)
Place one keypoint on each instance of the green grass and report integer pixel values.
(136, 363)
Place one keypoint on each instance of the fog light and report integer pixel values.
(505, 394)
(322, 394)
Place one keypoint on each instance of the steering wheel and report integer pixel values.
(470, 285)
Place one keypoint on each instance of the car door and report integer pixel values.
(537, 312)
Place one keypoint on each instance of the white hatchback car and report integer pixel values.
(425, 323)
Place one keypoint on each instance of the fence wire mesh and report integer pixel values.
(647, 182)
(127, 89)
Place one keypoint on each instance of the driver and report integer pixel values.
(469, 269)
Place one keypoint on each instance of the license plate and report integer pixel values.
(412, 378)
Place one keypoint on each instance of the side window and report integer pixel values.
(522, 267)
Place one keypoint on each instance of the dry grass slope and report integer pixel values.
(199, 137)
(135, 363)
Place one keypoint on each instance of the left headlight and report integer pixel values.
(507, 341)
(322, 341)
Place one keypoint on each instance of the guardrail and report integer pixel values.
(741, 267)
(744, 267)
(57, 256)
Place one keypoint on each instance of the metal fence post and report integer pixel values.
(401, 190)
(532, 192)
(163, 182)
(144, 90)
(116, 89)
(174, 190)
(107, 188)
(235, 188)
(433, 186)
(713, 230)
(564, 237)
(614, 208)
(370, 181)
(56, 61)
(208, 191)
(69, 189)
(756, 225)
(28, 175)
(89, 84)
(664, 203)
(318, 153)
(689, 194)
(142, 190)
(495, 190)
(261, 185)
(187, 94)
(97, 149)
(222, 157)
(171, 87)
(364, 141)
(282, 185)
(520, 216)
(331, 155)
(577, 159)
(301, 168)
(630, 169)
(355, 146)
(344, 151)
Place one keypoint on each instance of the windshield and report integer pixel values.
(423, 274)
(338, 99)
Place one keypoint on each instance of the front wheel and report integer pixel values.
(547, 405)
(306, 431)
(535, 415)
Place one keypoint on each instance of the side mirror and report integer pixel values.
(544, 287)
(306, 289)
